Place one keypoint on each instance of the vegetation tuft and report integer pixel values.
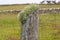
(22, 16)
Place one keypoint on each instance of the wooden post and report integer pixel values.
(30, 28)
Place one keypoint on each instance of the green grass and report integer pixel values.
(9, 27)
(49, 27)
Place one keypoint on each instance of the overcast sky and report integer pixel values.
(18, 1)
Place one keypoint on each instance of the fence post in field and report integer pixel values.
(29, 20)
(30, 28)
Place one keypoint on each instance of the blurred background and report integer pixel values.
(49, 23)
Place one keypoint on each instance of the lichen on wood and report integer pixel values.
(22, 16)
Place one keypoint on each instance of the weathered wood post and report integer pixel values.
(30, 27)
(33, 27)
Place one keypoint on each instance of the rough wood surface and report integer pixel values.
(30, 28)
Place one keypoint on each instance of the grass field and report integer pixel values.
(21, 6)
(9, 27)
(49, 24)
(49, 27)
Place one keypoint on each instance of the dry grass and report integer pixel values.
(21, 6)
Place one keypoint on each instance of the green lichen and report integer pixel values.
(22, 16)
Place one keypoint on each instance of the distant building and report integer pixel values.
(48, 2)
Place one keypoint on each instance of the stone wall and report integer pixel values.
(42, 10)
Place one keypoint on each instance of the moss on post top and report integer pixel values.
(22, 16)
(29, 9)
